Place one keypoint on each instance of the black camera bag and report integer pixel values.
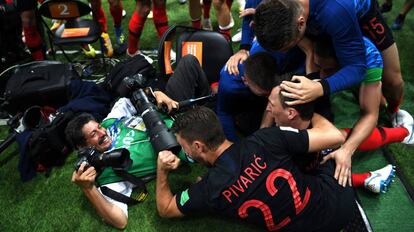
(47, 145)
(128, 68)
(39, 83)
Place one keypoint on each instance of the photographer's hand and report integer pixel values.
(164, 99)
(110, 213)
(84, 177)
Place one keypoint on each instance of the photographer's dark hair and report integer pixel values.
(200, 123)
(260, 69)
(73, 130)
(275, 23)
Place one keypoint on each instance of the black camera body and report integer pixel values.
(118, 159)
(130, 84)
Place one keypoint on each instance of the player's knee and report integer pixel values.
(392, 80)
(398, 84)
(95, 5)
(144, 11)
(114, 3)
(159, 2)
(218, 3)
(28, 18)
(392, 69)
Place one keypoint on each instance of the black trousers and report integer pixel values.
(188, 80)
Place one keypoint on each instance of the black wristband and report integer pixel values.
(313, 76)
(325, 87)
(245, 47)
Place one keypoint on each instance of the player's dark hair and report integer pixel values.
(275, 23)
(278, 78)
(260, 69)
(73, 131)
(200, 123)
(305, 110)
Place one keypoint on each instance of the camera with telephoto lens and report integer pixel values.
(118, 159)
(131, 83)
(161, 137)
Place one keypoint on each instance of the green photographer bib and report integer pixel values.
(130, 133)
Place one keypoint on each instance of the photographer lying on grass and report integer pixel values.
(122, 128)
(119, 130)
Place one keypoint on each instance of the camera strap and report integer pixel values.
(139, 193)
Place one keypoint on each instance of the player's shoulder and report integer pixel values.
(277, 130)
(288, 128)
(272, 134)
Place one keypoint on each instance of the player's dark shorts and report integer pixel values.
(24, 5)
(345, 198)
(375, 28)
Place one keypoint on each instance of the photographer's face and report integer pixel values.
(96, 136)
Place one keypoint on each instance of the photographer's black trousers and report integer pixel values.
(188, 80)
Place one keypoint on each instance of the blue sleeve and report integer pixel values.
(348, 43)
(373, 56)
(231, 88)
(247, 33)
(247, 30)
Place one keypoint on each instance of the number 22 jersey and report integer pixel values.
(258, 181)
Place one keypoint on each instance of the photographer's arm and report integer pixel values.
(162, 98)
(111, 213)
(166, 203)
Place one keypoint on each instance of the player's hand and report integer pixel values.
(233, 62)
(198, 179)
(246, 12)
(163, 99)
(167, 161)
(302, 89)
(85, 176)
(343, 160)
